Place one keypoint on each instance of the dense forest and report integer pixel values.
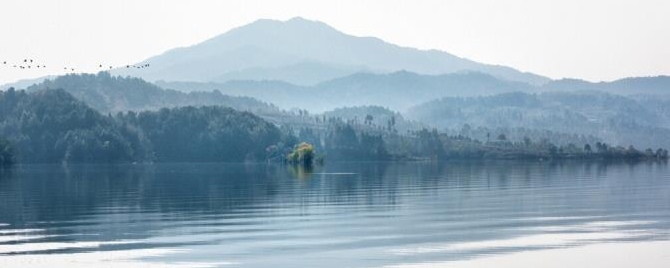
(51, 126)
(203, 134)
(500, 147)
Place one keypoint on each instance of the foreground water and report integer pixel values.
(339, 215)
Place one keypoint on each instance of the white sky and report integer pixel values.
(593, 40)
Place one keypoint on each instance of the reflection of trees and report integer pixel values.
(55, 193)
(301, 172)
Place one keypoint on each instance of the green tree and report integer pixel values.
(302, 154)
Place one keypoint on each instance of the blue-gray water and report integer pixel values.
(339, 215)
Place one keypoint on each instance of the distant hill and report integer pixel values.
(628, 86)
(24, 83)
(304, 52)
(613, 118)
(113, 94)
(402, 89)
(397, 91)
(380, 117)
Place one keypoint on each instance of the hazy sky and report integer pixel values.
(593, 40)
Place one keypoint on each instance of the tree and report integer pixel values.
(587, 148)
(502, 137)
(368, 119)
(302, 154)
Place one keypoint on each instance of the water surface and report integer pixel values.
(338, 215)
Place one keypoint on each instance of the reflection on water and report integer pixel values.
(338, 215)
(301, 172)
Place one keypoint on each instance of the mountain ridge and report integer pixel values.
(398, 90)
(275, 44)
(659, 84)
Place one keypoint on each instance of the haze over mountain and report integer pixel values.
(616, 119)
(112, 94)
(397, 90)
(304, 52)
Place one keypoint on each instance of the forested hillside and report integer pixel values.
(204, 134)
(612, 118)
(59, 125)
(51, 126)
(375, 117)
(111, 94)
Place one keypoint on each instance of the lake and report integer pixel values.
(372, 214)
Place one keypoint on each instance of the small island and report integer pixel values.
(303, 154)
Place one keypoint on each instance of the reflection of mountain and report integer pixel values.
(304, 52)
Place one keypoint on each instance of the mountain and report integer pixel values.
(656, 85)
(401, 90)
(308, 73)
(398, 90)
(111, 94)
(303, 52)
(24, 83)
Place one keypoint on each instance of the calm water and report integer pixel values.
(339, 215)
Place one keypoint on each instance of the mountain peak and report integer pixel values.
(293, 24)
(270, 49)
(299, 19)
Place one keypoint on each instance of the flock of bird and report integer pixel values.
(27, 64)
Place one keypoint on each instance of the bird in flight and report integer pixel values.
(28, 63)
